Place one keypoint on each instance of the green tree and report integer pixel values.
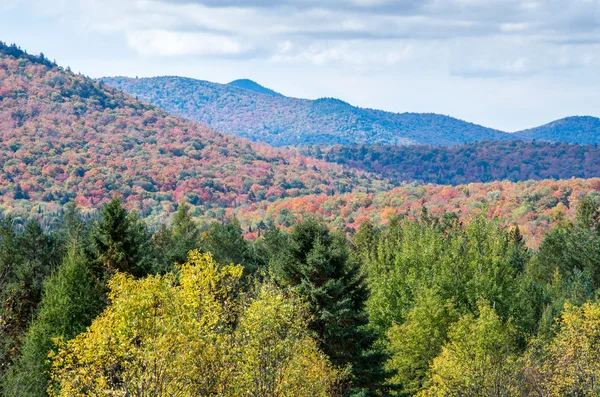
(173, 244)
(225, 241)
(26, 259)
(318, 265)
(120, 241)
(72, 297)
(479, 359)
(420, 339)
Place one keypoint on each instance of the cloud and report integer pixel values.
(166, 43)
(473, 37)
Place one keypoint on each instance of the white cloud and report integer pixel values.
(491, 38)
(165, 43)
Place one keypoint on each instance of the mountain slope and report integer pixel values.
(66, 137)
(535, 206)
(284, 121)
(579, 129)
(253, 86)
(473, 162)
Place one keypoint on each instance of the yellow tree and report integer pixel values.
(178, 335)
(274, 356)
(572, 367)
(479, 359)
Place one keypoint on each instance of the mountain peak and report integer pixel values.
(251, 85)
(574, 129)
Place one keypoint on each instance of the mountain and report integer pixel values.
(284, 121)
(253, 86)
(579, 129)
(473, 162)
(65, 137)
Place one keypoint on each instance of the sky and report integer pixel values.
(505, 64)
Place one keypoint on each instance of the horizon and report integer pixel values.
(504, 65)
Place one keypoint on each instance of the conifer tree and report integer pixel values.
(317, 264)
(120, 241)
(173, 244)
(72, 298)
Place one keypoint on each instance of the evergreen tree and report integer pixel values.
(26, 259)
(225, 241)
(173, 244)
(72, 298)
(120, 241)
(318, 265)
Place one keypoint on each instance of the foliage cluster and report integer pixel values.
(476, 162)
(285, 121)
(68, 138)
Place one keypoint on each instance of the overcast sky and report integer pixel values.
(507, 64)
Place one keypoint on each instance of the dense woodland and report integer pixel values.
(143, 255)
(249, 110)
(285, 121)
(428, 307)
(534, 206)
(476, 162)
(67, 138)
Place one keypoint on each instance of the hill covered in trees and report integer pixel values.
(584, 130)
(285, 121)
(244, 108)
(475, 162)
(65, 137)
(535, 206)
(253, 86)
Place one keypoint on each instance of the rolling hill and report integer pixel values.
(283, 121)
(65, 137)
(474, 162)
(245, 108)
(253, 86)
(583, 130)
(535, 206)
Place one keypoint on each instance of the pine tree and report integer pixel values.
(72, 298)
(173, 244)
(225, 241)
(318, 265)
(120, 241)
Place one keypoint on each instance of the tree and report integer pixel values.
(479, 359)
(173, 244)
(317, 264)
(120, 241)
(273, 354)
(191, 334)
(225, 241)
(419, 340)
(572, 366)
(26, 259)
(72, 298)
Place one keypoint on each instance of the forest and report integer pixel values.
(431, 306)
(476, 162)
(145, 255)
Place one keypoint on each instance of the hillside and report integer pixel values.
(474, 162)
(581, 129)
(253, 86)
(536, 206)
(66, 137)
(285, 121)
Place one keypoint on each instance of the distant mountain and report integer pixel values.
(580, 129)
(285, 121)
(474, 162)
(253, 86)
(65, 137)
